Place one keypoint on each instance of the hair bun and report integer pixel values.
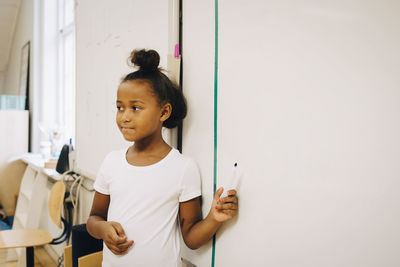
(145, 60)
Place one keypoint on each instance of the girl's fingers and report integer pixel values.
(218, 193)
(119, 231)
(120, 249)
(117, 251)
(232, 192)
(228, 200)
(114, 249)
(227, 206)
(125, 246)
(228, 213)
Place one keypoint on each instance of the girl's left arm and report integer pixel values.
(197, 231)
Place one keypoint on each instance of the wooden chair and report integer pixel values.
(68, 256)
(91, 260)
(28, 238)
(83, 244)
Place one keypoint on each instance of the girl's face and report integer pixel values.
(139, 113)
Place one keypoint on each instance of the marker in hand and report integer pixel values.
(234, 181)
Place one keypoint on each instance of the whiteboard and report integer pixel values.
(308, 102)
(106, 33)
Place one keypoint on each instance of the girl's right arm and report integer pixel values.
(112, 233)
(98, 214)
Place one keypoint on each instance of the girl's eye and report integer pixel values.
(135, 108)
(119, 108)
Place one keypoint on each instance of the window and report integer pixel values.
(53, 94)
(66, 67)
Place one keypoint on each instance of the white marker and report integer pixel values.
(234, 181)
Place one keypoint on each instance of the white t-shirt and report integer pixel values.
(145, 201)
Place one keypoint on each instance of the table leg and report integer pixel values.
(30, 259)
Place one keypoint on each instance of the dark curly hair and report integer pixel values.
(165, 90)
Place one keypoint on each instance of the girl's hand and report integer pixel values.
(115, 239)
(226, 208)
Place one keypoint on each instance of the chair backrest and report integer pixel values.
(83, 243)
(91, 260)
(56, 202)
(68, 256)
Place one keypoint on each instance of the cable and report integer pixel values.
(77, 192)
(75, 176)
(74, 190)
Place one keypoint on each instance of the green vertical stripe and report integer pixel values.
(215, 116)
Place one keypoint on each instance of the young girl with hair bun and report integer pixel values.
(147, 193)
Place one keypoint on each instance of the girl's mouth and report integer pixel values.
(126, 128)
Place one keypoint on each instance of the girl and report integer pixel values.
(143, 189)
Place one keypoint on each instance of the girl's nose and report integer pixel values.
(125, 116)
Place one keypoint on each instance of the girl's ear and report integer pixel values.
(166, 112)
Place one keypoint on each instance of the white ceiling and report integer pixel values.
(8, 18)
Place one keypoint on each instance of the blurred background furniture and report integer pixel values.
(28, 238)
(14, 133)
(11, 175)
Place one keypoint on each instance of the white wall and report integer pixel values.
(23, 34)
(308, 102)
(106, 33)
(13, 135)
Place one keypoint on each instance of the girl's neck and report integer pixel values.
(144, 153)
(150, 145)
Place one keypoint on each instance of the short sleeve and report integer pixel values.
(191, 182)
(101, 185)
